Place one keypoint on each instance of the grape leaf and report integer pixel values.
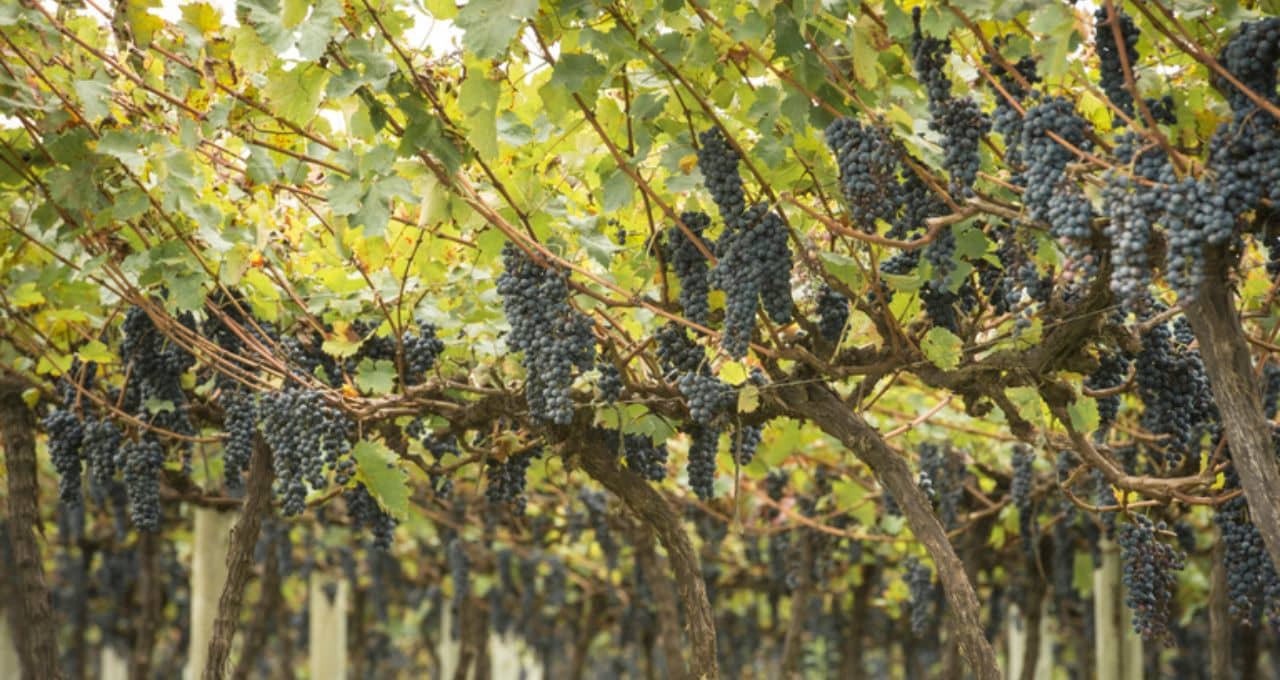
(383, 477)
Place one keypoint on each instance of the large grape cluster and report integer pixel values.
(1132, 210)
(1109, 54)
(703, 443)
(141, 462)
(1175, 392)
(240, 420)
(1048, 195)
(959, 120)
(306, 436)
(833, 314)
(65, 436)
(718, 162)
(155, 367)
(365, 512)
(1148, 576)
(554, 337)
(100, 446)
(507, 479)
(868, 159)
(1251, 55)
(1252, 583)
(690, 265)
(754, 268)
(1006, 118)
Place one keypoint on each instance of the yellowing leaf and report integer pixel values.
(26, 295)
(942, 348)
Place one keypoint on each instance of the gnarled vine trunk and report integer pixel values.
(653, 509)
(37, 646)
(1238, 394)
(819, 405)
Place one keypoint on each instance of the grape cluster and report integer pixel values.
(744, 442)
(421, 350)
(718, 162)
(942, 482)
(100, 446)
(155, 367)
(365, 512)
(1148, 576)
(1049, 197)
(645, 457)
(1109, 55)
(1132, 210)
(240, 421)
(1253, 586)
(1020, 494)
(65, 436)
(833, 314)
(460, 572)
(919, 579)
(141, 462)
(707, 396)
(1251, 55)
(703, 443)
(507, 479)
(868, 159)
(1006, 118)
(959, 120)
(610, 383)
(306, 436)
(754, 268)
(1113, 369)
(1175, 392)
(678, 353)
(554, 337)
(690, 265)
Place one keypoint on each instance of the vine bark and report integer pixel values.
(37, 644)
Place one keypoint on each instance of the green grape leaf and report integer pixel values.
(380, 471)
(942, 348)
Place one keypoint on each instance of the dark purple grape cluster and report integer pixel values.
(703, 443)
(1132, 211)
(365, 513)
(868, 159)
(1110, 61)
(1253, 587)
(1148, 576)
(1113, 369)
(100, 447)
(690, 265)
(959, 120)
(833, 314)
(941, 481)
(1173, 386)
(919, 578)
(744, 441)
(645, 457)
(1251, 55)
(678, 353)
(929, 56)
(940, 306)
(65, 436)
(306, 436)
(554, 337)
(141, 462)
(754, 268)
(718, 162)
(610, 383)
(155, 366)
(240, 420)
(707, 396)
(460, 572)
(1006, 119)
(507, 479)
(1049, 197)
(1020, 494)
(421, 350)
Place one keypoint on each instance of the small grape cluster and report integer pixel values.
(645, 457)
(507, 479)
(365, 512)
(1109, 55)
(610, 383)
(718, 162)
(833, 314)
(919, 579)
(65, 436)
(690, 265)
(941, 482)
(1113, 369)
(703, 443)
(1148, 576)
(1020, 494)
(744, 442)
(554, 337)
(306, 436)
(141, 462)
